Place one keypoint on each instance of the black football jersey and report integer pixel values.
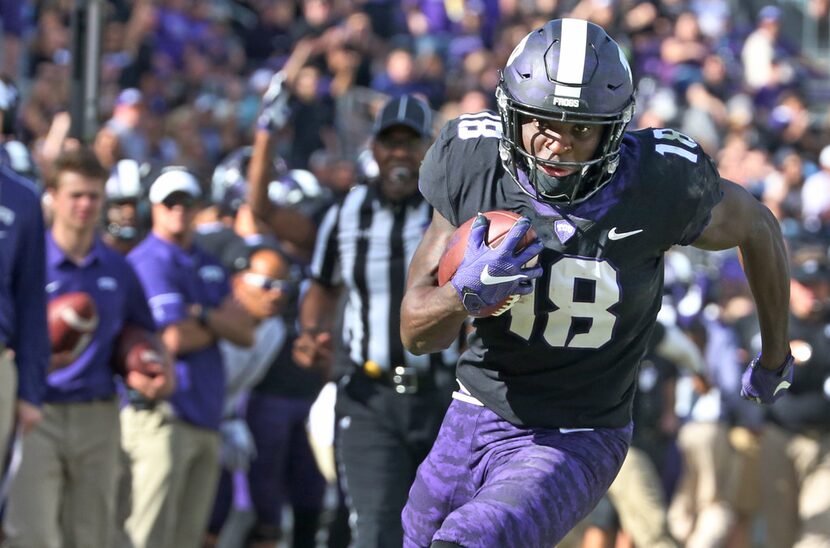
(566, 355)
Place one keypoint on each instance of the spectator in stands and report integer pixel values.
(795, 445)
(758, 53)
(815, 195)
(126, 124)
(264, 283)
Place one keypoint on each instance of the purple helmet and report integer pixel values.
(569, 71)
(229, 182)
(296, 188)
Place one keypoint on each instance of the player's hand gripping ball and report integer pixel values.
(137, 350)
(72, 319)
(491, 261)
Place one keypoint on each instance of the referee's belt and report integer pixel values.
(404, 379)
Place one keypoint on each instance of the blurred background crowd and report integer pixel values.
(182, 81)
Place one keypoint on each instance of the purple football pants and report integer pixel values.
(487, 483)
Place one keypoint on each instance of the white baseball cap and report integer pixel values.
(174, 180)
(824, 157)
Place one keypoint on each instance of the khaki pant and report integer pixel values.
(64, 492)
(637, 495)
(700, 514)
(796, 488)
(174, 468)
(745, 479)
(8, 401)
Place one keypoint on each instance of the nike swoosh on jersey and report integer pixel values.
(489, 279)
(614, 235)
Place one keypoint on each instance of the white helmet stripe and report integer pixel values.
(572, 57)
(520, 47)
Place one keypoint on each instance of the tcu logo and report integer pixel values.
(211, 273)
(565, 102)
(6, 216)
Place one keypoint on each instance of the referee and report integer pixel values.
(391, 403)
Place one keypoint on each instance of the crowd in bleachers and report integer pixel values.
(182, 83)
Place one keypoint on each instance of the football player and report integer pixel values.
(542, 419)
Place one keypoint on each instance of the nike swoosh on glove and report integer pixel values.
(764, 386)
(487, 276)
(275, 113)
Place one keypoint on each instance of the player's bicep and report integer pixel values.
(732, 219)
(424, 265)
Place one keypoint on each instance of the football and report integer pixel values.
(136, 349)
(500, 224)
(72, 319)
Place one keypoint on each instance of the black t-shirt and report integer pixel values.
(286, 379)
(655, 372)
(567, 355)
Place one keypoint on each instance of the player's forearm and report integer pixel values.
(186, 336)
(431, 318)
(233, 324)
(258, 174)
(765, 264)
(318, 310)
(287, 224)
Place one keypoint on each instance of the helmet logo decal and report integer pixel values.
(565, 102)
(572, 58)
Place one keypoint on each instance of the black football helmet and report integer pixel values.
(569, 71)
(229, 182)
(126, 185)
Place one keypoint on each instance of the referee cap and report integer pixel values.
(407, 111)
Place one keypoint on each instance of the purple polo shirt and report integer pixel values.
(174, 278)
(22, 277)
(108, 278)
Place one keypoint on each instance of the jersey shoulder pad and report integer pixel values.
(680, 176)
(465, 154)
(665, 152)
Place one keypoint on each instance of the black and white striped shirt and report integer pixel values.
(366, 244)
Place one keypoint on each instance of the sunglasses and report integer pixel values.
(399, 142)
(264, 282)
(183, 200)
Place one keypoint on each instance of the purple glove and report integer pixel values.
(275, 112)
(764, 386)
(487, 276)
